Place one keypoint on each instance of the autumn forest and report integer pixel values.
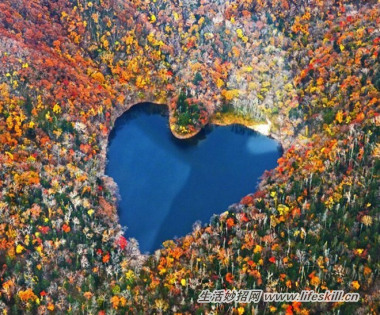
(306, 73)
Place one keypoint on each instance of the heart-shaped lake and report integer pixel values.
(167, 184)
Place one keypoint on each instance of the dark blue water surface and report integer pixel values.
(167, 184)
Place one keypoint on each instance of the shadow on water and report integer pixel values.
(202, 177)
(136, 111)
(166, 184)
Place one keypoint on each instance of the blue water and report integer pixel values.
(167, 184)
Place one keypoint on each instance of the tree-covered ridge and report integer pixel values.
(69, 68)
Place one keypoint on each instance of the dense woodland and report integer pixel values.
(69, 68)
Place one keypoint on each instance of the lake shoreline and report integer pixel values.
(180, 172)
(260, 127)
(111, 185)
